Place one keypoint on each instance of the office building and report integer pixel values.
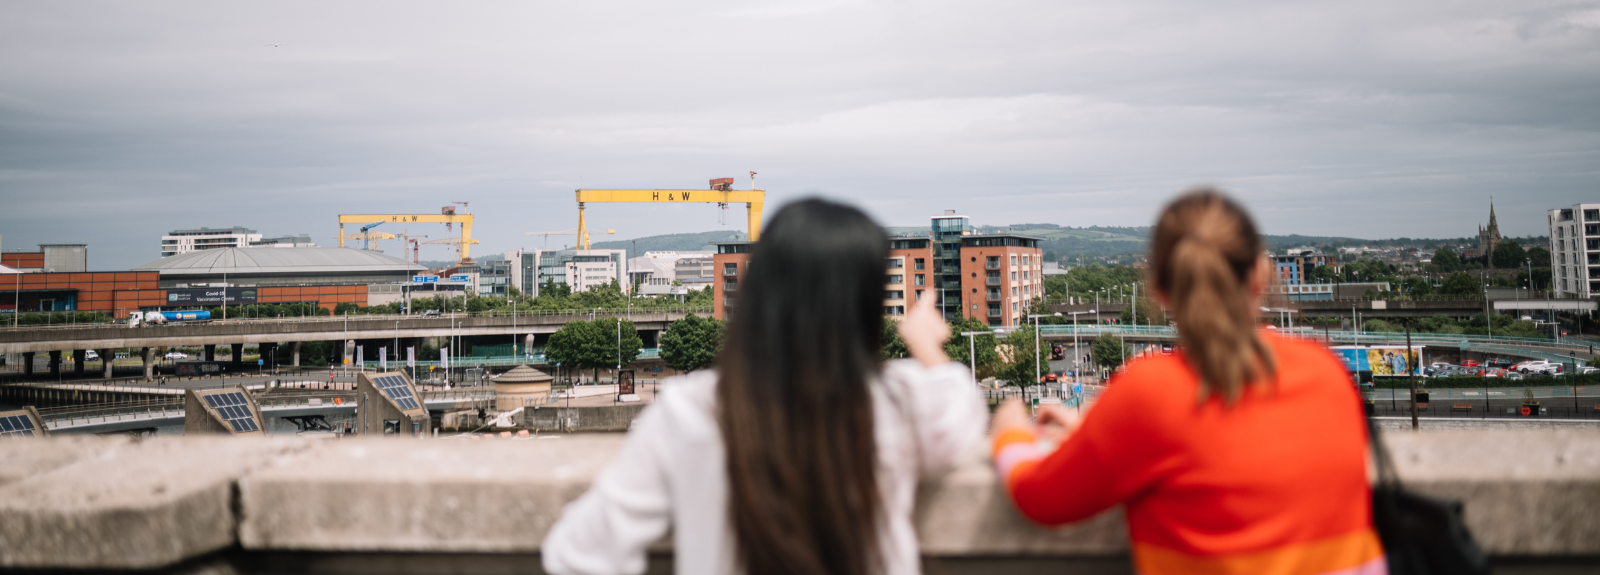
(654, 272)
(578, 270)
(300, 241)
(1293, 267)
(51, 258)
(184, 241)
(1575, 251)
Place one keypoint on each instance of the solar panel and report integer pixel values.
(16, 426)
(234, 409)
(395, 387)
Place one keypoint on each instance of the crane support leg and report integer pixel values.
(754, 220)
(341, 234)
(583, 231)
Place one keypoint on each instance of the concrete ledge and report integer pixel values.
(126, 505)
(1532, 497)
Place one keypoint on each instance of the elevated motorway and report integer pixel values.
(247, 331)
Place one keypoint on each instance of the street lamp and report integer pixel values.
(1035, 317)
(972, 350)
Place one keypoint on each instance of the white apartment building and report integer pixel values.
(582, 275)
(577, 269)
(654, 272)
(1575, 251)
(185, 241)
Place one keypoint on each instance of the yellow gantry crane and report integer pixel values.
(445, 216)
(721, 192)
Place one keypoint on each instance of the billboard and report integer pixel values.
(193, 296)
(1381, 360)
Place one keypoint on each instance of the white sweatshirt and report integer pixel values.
(671, 474)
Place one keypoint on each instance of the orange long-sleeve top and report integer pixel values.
(1274, 484)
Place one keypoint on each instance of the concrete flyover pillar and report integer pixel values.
(294, 352)
(149, 363)
(238, 354)
(527, 343)
(210, 353)
(55, 363)
(27, 364)
(79, 357)
(106, 357)
(349, 352)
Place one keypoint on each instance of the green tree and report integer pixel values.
(1446, 260)
(345, 308)
(1025, 357)
(594, 344)
(1540, 257)
(1418, 286)
(1459, 284)
(983, 346)
(1149, 313)
(691, 343)
(1508, 255)
(1108, 351)
(893, 346)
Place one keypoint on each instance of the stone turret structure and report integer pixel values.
(1489, 238)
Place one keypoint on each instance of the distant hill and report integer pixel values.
(1060, 243)
(674, 242)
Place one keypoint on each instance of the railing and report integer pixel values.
(491, 361)
(991, 265)
(992, 280)
(995, 312)
(1473, 342)
(391, 317)
(995, 296)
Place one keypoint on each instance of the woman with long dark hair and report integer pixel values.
(800, 452)
(1240, 453)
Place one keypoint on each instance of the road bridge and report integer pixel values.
(1536, 348)
(269, 333)
(95, 420)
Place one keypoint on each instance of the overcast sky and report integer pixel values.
(120, 121)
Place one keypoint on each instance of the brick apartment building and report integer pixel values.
(988, 277)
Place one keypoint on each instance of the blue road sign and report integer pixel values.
(424, 279)
(461, 278)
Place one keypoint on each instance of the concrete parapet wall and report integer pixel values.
(104, 503)
(581, 419)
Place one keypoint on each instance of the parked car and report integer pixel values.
(1469, 363)
(1513, 376)
(429, 313)
(90, 355)
(1534, 366)
(176, 355)
(1494, 373)
(1498, 362)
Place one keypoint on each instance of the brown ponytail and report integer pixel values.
(1204, 250)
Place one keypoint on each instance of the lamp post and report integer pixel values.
(1035, 317)
(972, 350)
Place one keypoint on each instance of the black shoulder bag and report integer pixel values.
(1421, 535)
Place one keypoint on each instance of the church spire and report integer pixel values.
(1492, 224)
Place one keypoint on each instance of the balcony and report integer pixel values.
(995, 296)
(995, 312)
(991, 265)
(730, 287)
(730, 271)
(992, 281)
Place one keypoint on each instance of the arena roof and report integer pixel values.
(278, 261)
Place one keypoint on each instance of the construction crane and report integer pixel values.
(407, 237)
(721, 192)
(571, 232)
(446, 215)
(368, 238)
(368, 227)
(461, 245)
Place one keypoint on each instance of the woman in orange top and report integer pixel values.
(1242, 452)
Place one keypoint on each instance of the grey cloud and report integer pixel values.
(119, 122)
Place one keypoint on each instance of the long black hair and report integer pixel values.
(792, 398)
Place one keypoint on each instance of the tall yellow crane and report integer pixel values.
(370, 237)
(445, 216)
(721, 192)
